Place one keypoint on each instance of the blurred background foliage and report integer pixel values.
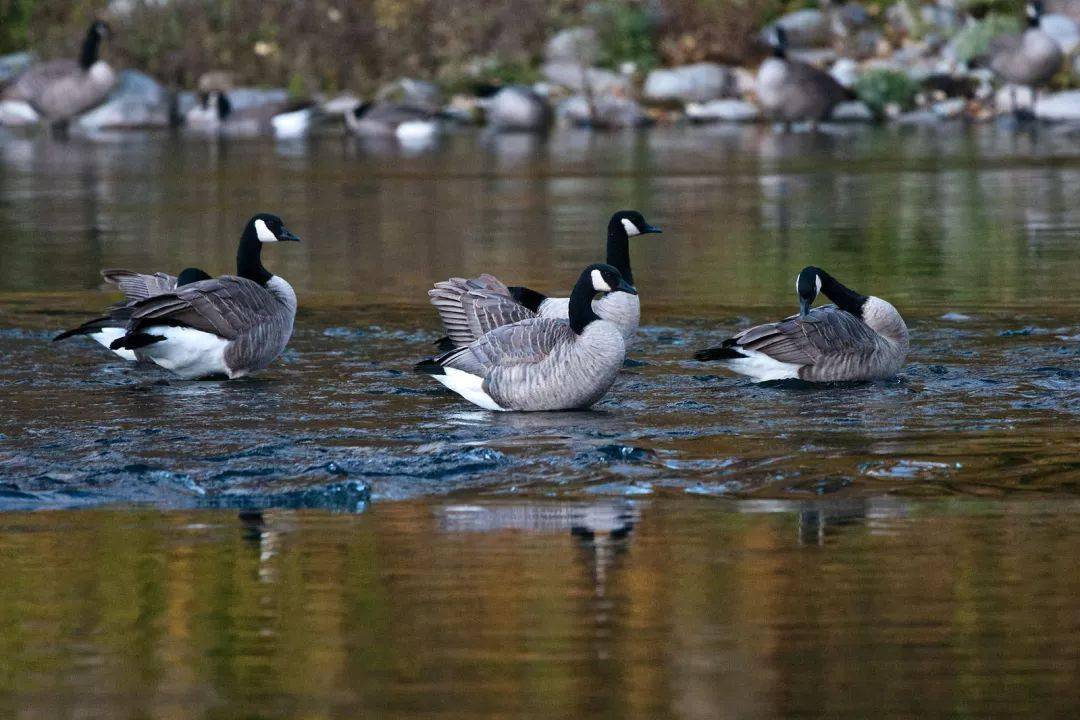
(336, 44)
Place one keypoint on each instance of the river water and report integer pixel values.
(696, 546)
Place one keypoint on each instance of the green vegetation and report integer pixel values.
(881, 87)
(973, 41)
(626, 33)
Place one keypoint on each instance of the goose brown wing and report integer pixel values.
(226, 306)
(139, 286)
(804, 340)
(472, 308)
(522, 343)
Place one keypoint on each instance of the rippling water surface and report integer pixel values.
(696, 546)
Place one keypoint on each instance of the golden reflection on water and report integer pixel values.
(509, 609)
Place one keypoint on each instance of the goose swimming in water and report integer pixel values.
(859, 338)
(791, 91)
(227, 326)
(542, 363)
(60, 90)
(1031, 58)
(458, 300)
(136, 287)
(215, 114)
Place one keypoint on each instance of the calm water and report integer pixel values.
(697, 546)
(501, 609)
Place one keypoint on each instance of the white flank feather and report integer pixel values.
(468, 386)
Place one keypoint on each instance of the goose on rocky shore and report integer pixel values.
(1031, 58)
(380, 119)
(215, 114)
(459, 301)
(542, 363)
(60, 90)
(791, 91)
(228, 326)
(859, 338)
(136, 287)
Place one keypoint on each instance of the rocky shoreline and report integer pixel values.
(908, 63)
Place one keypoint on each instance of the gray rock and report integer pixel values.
(410, 91)
(845, 71)
(518, 108)
(1063, 29)
(849, 18)
(852, 111)
(805, 28)
(610, 112)
(730, 110)
(1059, 107)
(16, 113)
(574, 78)
(12, 66)
(577, 46)
(137, 101)
(700, 82)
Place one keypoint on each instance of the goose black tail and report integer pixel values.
(135, 341)
(444, 344)
(718, 353)
(87, 328)
(429, 367)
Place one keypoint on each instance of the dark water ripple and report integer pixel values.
(973, 412)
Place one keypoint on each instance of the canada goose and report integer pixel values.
(792, 91)
(408, 123)
(542, 363)
(457, 299)
(227, 326)
(135, 287)
(216, 114)
(1031, 58)
(59, 90)
(859, 338)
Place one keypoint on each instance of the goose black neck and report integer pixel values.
(779, 51)
(581, 310)
(618, 250)
(249, 257)
(1033, 21)
(844, 297)
(89, 54)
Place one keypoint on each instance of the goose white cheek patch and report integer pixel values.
(598, 282)
(631, 228)
(264, 233)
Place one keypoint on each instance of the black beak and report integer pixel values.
(804, 306)
(626, 287)
(286, 236)
(650, 229)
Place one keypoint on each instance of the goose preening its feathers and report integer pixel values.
(791, 91)
(227, 326)
(1031, 58)
(541, 363)
(136, 287)
(859, 338)
(408, 123)
(469, 308)
(215, 114)
(59, 90)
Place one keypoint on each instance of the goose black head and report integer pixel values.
(101, 29)
(1034, 10)
(362, 109)
(632, 223)
(807, 286)
(190, 275)
(270, 228)
(606, 279)
(778, 41)
(596, 278)
(260, 229)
